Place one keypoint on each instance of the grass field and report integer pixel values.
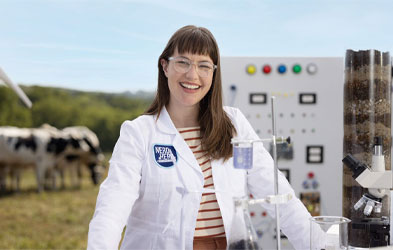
(48, 220)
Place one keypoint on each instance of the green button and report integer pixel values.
(297, 69)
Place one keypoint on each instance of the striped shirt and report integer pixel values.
(209, 221)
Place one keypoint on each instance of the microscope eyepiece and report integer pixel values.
(377, 140)
(356, 166)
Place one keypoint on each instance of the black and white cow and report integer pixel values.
(89, 155)
(44, 148)
(24, 147)
(9, 165)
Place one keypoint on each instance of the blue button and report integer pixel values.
(315, 184)
(282, 69)
(306, 184)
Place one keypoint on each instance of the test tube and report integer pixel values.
(242, 153)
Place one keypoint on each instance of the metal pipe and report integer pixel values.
(278, 231)
(16, 88)
(279, 140)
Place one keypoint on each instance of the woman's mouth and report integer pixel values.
(189, 86)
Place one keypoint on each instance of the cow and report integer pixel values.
(23, 147)
(13, 140)
(46, 149)
(89, 155)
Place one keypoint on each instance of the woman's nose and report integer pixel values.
(192, 73)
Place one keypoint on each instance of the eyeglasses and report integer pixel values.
(183, 65)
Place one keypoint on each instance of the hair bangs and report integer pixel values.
(198, 42)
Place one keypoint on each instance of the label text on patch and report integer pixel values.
(165, 155)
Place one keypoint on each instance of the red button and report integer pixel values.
(264, 214)
(252, 214)
(267, 69)
(310, 175)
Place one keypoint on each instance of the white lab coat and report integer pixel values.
(159, 205)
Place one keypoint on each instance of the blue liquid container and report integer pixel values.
(242, 156)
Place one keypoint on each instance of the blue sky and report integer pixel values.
(113, 46)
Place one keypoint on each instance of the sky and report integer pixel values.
(114, 45)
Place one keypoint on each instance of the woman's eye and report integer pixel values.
(202, 66)
(183, 63)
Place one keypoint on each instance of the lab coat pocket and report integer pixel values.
(170, 199)
(140, 239)
(169, 243)
(145, 234)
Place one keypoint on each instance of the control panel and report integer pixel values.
(309, 109)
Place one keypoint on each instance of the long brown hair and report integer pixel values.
(216, 127)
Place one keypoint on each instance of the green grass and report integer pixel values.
(48, 220)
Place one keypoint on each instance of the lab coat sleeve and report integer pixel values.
(294, 217)
(119, 191)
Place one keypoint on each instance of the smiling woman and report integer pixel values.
(192, 98)
(171, 178)
(187, 87)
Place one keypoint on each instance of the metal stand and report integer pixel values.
(277, 198)
(278, 231)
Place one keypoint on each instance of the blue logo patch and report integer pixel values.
(164, 155)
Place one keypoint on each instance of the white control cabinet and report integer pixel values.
(309, 109)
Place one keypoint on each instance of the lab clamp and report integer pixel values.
(378, 181)
(243, 159)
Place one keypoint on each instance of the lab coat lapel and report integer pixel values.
(165, 124)
(185, 152)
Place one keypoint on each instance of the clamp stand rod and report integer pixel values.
(278, 231)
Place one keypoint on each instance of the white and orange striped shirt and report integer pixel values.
(209, 220)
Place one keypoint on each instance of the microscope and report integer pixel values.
(378, 183)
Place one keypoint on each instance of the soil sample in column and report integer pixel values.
(367, 113)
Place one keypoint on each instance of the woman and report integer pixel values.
(171, 179)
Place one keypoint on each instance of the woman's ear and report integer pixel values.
(164, 64)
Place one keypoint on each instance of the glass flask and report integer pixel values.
(367, 114)
(242, 235)
(329, 232)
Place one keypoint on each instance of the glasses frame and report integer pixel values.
(191, 63)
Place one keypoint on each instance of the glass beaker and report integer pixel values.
(329, 232)
(242, 153)
(242, 235)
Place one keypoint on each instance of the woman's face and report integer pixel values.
(188, 88)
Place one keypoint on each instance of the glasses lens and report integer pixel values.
(204, 69)
(183, 65)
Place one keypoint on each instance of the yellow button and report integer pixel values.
(251, 69)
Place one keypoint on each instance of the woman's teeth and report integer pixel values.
(189, 86)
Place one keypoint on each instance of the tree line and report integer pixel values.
(103, 113)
